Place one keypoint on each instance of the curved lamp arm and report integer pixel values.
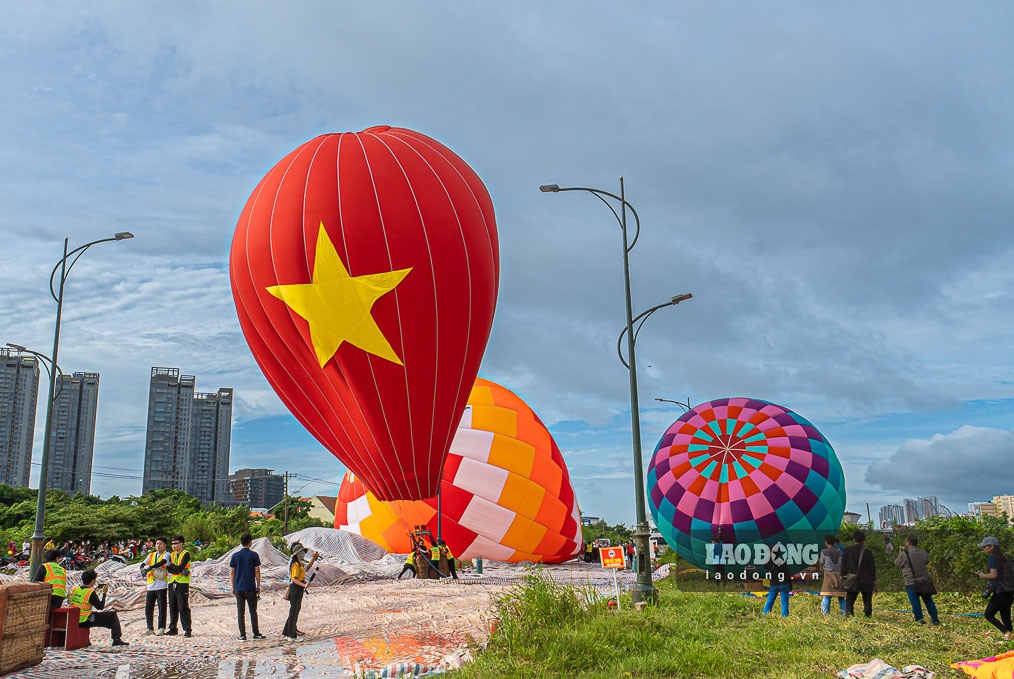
(78, 251)
(599, 193)
(641, 318)
(45, 360)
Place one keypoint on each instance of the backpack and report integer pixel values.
(1005, 576)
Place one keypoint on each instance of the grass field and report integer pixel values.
(548, 630)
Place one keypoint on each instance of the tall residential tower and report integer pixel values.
(19, 395)
(210, 440)
(72, 436)
(167, 443)
(189, 437)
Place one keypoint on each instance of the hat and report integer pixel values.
(989, 541)
(297, 548)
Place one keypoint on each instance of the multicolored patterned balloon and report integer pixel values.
(743, 471)
(506, 490)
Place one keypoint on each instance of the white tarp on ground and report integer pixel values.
(337, 544)
(343, 558)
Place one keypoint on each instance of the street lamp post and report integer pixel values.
(39, 536)
(644, 589)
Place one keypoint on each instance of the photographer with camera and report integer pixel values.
(1000, 596)
(154, 569)
(85, 598)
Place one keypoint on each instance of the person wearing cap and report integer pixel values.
(297, 587)
(999, 601)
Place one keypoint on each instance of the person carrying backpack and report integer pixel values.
(1000, 590)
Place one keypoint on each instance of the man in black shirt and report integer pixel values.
(857, 559)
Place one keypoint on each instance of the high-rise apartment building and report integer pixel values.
(929, 506)
(167, 443)
(189, 437)
(892, 515)
(19, 396)
(257, 488)
(72, 434)
(911, 510)
(210, 440)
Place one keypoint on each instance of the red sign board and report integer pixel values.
(612, 557)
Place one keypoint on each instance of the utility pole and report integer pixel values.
(285, 530)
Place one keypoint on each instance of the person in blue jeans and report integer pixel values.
(830, 562)
(914, 564)
(781, 583)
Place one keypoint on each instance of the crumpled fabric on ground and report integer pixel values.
(994, 667)
(878, 669)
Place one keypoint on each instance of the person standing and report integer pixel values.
(781, 582)
(297, 587)
(52, 573)
(1000, 598)
(914, 564)
(245, 567)
(179, 587)
(85, 599)
(856, 559)
(718, 560)
(830, 563)
(446, 552)
(154, 569)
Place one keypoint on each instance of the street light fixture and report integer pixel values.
(685, 406)
(644, 589)
(39, 536)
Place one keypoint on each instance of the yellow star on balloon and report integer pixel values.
(338, 306)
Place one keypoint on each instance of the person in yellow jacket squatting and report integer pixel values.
(179, 587)
(154, 569)
(52, 573)
(85, 598)
(409, 565)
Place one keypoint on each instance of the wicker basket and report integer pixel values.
(24, 614)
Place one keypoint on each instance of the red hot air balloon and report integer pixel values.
(365, 269)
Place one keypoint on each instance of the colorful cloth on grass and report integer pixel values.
(878, 669)
(994, 667)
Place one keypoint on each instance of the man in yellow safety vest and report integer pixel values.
(52, 573)
(84, 598)
(179, 587)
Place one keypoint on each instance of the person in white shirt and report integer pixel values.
(154, 569)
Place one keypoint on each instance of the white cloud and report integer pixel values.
(964, 465)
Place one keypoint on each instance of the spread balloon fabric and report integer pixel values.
(506, 490)
(365, 269)
(743, 471)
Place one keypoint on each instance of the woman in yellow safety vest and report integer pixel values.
(85, 599)
(52, 573)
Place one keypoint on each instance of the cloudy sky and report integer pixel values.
(831, 183)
